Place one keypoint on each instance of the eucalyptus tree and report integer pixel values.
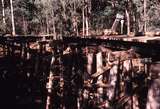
(71, 17)
(12, 17)
(153, 13)
(3, 12)
(3, 16)
(62, 18)
(43, 13)
(147, 13)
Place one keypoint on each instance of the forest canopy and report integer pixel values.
(72, 17)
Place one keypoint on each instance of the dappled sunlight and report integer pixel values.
(80, 54)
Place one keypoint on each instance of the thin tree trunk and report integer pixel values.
(74, 18)
(54, 29)
(3, 13)
(145, 15)
(87, 19)
(87, 27)
(83, 18)
(64, 9)
(128, 22)
(24, 26)
(77, 32)
(12, 15)
(89, 6)
(134, 23)
(47, 24)
(89, 11)
(42, 27)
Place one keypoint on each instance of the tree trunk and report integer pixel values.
(24, 26)
(47, 24)
(3, 13)
(134, 23)
(128, 22)
(87, 27)
(87, 16)
(89, 6)
(12, 16)
(89, 11)
(145, 15)
(83, 18)
(54, 29)
(64, 9)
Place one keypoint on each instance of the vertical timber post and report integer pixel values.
(89, 63)
(49, 85)
(100, 78)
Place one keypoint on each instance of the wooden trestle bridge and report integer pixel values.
(118, 42)
(68, 70)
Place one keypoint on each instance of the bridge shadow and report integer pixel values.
(23, 81)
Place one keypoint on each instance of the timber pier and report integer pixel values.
(23, 44)
(93, 72)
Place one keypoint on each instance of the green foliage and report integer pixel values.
(57, 15)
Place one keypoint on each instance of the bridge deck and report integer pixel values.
(143, 39)
(126, 38)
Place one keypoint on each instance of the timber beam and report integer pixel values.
(113, 43)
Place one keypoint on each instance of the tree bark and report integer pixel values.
(12, 16)
(87, 27)
(24, 26)
(3, 13)
(145, 15)
(128, 22)
(83, 18)
(54, 27)
(64, 9)
(47, 24)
